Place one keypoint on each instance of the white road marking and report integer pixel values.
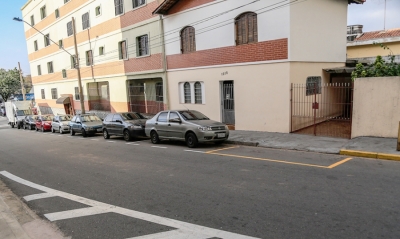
(187, 230)
(69, 136)
(111, 141)
(160, 147)
(194, 151)
(4, 126)
(132, 144)
(95, 139)
(60, 135)
(38, 196)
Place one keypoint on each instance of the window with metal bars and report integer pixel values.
(70, 31)
(159, 92)
(246, 28)
(50, 67)
(188, 40)
(47, 40)
(54, 93)
(35, 45)
(73, 61)
(77, 96)
(42, 93)
(143, 45)
(39, 70)
(85, 21)
(64, 73)
(313, 85)
(89, 58)
(187, 93)
(119, 7)
(122, 50)
(198, 96)
(137, 3)
(43, 12)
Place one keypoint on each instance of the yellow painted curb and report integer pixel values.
(389, 156)
(359, 153)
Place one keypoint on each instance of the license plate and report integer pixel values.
(221, 135)
(98, 130)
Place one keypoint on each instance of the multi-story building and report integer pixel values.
(235, 60)
(120, 55)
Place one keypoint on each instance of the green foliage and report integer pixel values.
(9, 83)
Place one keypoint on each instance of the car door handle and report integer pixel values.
(169, 124)
(156, 124)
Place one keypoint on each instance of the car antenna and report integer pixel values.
(186, 107)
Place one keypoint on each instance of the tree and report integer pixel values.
(9, 83)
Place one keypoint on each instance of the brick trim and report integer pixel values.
(187, 4)
(138, 15)
(152, 62)
(260, 51)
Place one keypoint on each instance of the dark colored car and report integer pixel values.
(128, 124)
(43, 122)
(29, 122)
(86, 124)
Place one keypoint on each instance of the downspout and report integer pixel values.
(165, 66)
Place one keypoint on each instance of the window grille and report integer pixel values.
(313, 85)
(42, 93)
(70, 31)
(64, 73)
(246, 28)
(122, 50)
(159, 92)
(119, 7)
(143, 45)
(187, 93)
(198, 98)
(85, 21)
(54, 93)
(137, 3)
(188, 40)
(89, 58)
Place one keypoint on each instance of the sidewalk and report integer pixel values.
(370, 147)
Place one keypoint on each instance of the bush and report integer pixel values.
(379, 68)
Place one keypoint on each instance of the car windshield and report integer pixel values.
(65, 118)
(193, 115)
(131, 116)
(20, 113)
(48, 117)
(90, 118)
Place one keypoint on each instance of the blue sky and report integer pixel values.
(13, 45)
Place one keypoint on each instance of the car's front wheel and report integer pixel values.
(154, 137)
(42, 129)
(191, 140)
(105, 134)
(52, 130)
(60, 130)
(127, 135)
(71, 132)
(84, 134)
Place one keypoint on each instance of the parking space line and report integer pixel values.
(133, 144)
(61, 136)
(81, 212)
(111, 141)
(194, 151)
(339, 163)
(160, 147)
(94, 139)
(38, 196)
(212, 151)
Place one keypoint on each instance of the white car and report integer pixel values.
(60, 123)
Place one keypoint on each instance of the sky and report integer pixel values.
(13, 44)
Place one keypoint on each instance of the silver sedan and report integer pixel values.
(60, 123)
(187, 125)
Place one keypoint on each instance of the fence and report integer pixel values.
(148, 99)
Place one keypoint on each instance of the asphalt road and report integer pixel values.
(97, 188)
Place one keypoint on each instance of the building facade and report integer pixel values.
(120, 53)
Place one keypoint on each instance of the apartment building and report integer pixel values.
(235, 60)
(120, 53)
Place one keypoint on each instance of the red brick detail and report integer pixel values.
(152, 62)
(187, 4)
(138, 15)
(260, 51)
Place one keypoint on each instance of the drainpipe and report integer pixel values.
(165, 67)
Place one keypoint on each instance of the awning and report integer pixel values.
(63, 100)
(344, 69)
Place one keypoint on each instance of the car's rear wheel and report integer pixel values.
(52, 130)
(60, 130)
(127, 135)
(105, 134)
(18, 126)
(36, 128)
(12, 125)
(71, 132)
(42, 129)
(154, 137)
(84, 134)
(191, 140)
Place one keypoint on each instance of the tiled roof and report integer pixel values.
(379, 34)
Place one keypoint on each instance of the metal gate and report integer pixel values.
(228, 102)
(322, 110)
(146, 97)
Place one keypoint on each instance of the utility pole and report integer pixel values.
(78, 69)
(22, 83)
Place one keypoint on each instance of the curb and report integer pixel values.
(255, 144)
(374, 155)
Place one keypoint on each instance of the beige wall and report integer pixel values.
(376, 107)
(370, 50)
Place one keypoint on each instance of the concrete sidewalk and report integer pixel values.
(371, 147)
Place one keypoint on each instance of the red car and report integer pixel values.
(43, 122)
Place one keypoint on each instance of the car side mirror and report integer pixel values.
(78, 122)
(175, 120)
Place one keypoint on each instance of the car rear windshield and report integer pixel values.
(193, 115)
(90, 118)
(48, 117)
(132, 116)
(65, 118)
(20, 113)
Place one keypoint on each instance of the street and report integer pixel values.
(96, 188)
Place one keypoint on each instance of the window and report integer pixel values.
(143, 45)
(65, 1)
(159, 92)
(246, 28)
(101, 50)
(39, 70)
(57, 13)
(64, 73)
(137, 3)
(162, 117)
(77, 96)
(42, 93)
(32, 20)
(50, 67)
(43, 12)
(89, 58)
(46, 40)
(35, 45)
(173, 116)
(187, 93)
(70, 31)
(54, 93)
(73, 62)
(198, 98)
(85, 21)
(313, 85)
(60, 44)
(119, 7)
(109, 118)
(98, 11)
(122, 50)
(188, 40)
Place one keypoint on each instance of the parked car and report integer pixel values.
(188, 125)
(29, 122)
(128, 124)
(43, 122)
(86, 124)
(60, 123)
